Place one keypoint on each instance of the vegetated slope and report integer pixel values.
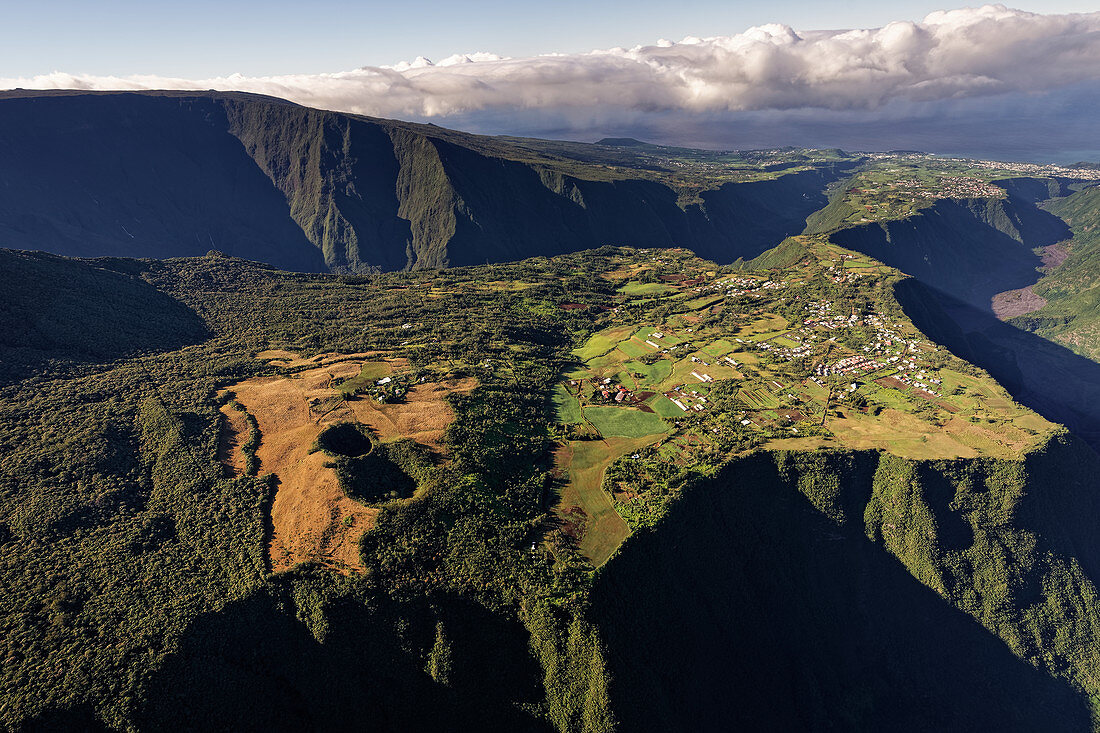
(137, 595)
(970, 248)
(53, 307)
(1059, 384)
(176, 174)
(845, 590)
(1072, 313)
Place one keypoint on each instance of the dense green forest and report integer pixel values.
(838, 589)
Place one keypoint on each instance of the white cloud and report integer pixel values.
(950, 55)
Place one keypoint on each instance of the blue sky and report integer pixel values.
(266, 37)
(983, 80)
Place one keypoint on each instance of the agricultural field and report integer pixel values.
(798, 357)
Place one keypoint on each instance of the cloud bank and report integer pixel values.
(768, 75)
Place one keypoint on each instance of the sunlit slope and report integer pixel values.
(1072, 313)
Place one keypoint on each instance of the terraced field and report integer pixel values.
(694, 386)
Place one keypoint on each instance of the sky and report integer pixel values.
(706, 73)
(205, 38)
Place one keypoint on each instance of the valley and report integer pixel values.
(489, 476)
(387, 422)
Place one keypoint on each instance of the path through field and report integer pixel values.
(583, 463)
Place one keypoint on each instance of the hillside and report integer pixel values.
(970, 248)
(58, 308)
(880, 519)
(169, 174)
(1069, 287)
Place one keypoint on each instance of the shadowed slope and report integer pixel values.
(54, 307)
(751, 609)
(138, 176)
(292, 658)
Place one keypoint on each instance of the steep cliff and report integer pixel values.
(859, 591)
(177, 174)
(970, 248)
(138, 176)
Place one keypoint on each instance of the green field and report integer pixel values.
(654, 373)
(721, 347)
(625, 422)
(371, 371)
(636, 288)
(703, 302)
(597, 345)
(663, 406)
(759, 398)
(634, 349)
(585, 463)
(645, 333)
(566, 407)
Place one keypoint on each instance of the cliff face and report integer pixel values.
(1047, 377)
(861, 591)
(177, 175)
(972, 248)
(137, 176)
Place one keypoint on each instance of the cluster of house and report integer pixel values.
(650, 341)
(1032, 169)
(951, 187)
(822, 316)
(388, 389)
(842, 275)
(857, 364)
(788, 353)
(732, 287)
(687, 399)
(912, 373)
(613, 392)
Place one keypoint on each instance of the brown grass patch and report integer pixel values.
(423, 416)
(897, 432)
(1017, 302)
(312, 518)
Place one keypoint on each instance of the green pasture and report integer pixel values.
(625, 422)
(597, 345)
(566, 407)
(371, 372)
(704, 302)
(718, 348)
(636, 288)
(664, 407)
(654, 373)
(586, 462)
(634, 349)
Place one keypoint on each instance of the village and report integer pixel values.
(693, 364)
(774, 376)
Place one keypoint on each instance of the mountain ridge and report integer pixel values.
(367, 194)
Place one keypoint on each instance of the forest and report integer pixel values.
(138, 592)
